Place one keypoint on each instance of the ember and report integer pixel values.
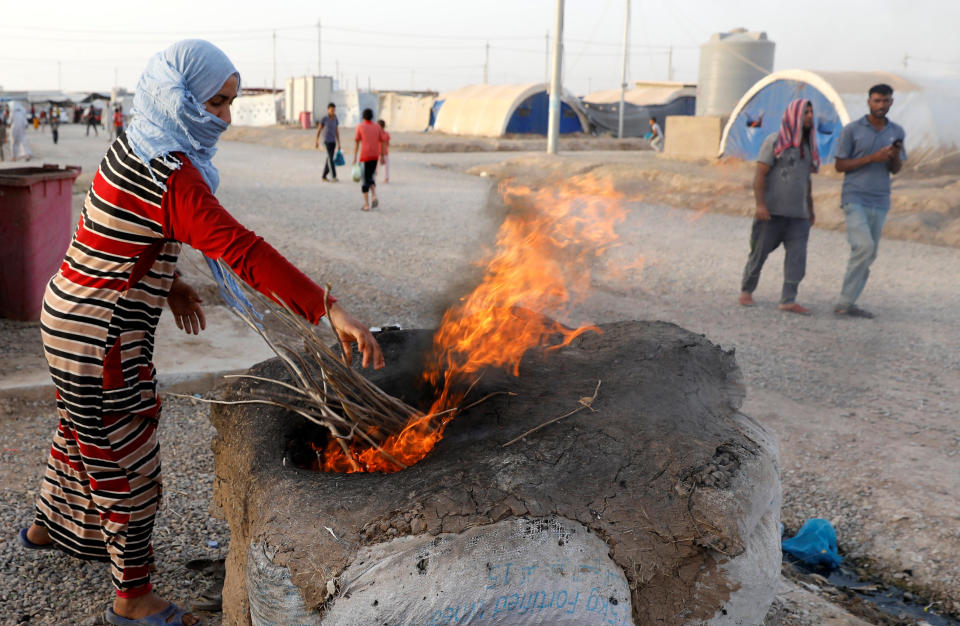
(543, 262)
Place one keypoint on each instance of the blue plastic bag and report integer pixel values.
(815, 544)
(339, 160)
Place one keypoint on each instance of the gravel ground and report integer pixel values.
(865, 410)
(51, 588)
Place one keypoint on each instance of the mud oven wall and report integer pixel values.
(661, 506)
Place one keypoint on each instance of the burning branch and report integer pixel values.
(325, 389)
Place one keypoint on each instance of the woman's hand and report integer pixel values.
(185, 305)
(352, 331)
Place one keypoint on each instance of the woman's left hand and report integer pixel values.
(185, 305)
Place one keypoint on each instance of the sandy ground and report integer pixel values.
(865, 411)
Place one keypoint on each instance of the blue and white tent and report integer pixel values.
(498, 110)
(926, 108)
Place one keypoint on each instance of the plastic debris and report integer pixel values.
(815, 544)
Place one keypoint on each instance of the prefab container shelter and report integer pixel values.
(926, 108)
(498, 110)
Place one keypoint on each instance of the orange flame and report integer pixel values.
(543, 262)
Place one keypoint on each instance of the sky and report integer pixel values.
(442, 45)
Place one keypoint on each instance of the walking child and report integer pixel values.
(386, 152)
(329, 127)
(368, 142)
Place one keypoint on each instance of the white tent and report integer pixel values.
(926, 108)
(495, 110)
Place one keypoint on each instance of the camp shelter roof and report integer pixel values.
(644, 93)
(921, 105)
(485, 110)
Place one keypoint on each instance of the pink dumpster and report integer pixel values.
(306, 119)
(35, 230)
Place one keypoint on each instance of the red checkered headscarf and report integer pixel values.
(791, 132)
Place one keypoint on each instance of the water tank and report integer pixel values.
(730, 63)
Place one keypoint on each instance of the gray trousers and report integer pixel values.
(765, 237)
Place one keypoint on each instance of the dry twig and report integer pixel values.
(586, 402)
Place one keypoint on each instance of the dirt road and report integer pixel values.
(865, 410)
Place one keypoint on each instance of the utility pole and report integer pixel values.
(553, 121)
(274, 61)
(339, 78)
(59, 82)
(116, 73)
(319, 49)
(546, 58)
(670, 64)
(486, 63)
(623, 70)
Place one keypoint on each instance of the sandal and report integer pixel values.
(170, 616)
(375, 204)
(853, 311)
(29, 545)
(793, 307)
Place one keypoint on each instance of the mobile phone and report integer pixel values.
(897, 143)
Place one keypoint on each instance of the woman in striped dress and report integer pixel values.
(152, 192)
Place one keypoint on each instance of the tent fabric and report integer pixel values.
(641, 102)
(921, 107)
(495, 110)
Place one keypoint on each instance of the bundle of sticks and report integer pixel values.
(323, 386)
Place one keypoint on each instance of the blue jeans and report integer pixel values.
(864, 225)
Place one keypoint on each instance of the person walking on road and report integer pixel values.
(368, 141)
(117, 121)
(784, 200)
(153, 191)
(90, 115)
(329, 128)
(870, 149)
(386, 152)
(18, 132)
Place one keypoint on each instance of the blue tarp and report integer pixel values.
(762, 114)
(434, 111)
(531, 117)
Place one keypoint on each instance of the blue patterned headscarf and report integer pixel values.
(168, 112)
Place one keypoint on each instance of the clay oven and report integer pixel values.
(657, 503)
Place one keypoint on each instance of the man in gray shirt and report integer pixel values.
(784, 199)
(869, 151)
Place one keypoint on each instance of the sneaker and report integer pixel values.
(853, 310)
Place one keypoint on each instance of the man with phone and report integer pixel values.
(869, 151)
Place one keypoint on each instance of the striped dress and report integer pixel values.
(102, 485)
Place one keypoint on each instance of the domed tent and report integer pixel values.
(643, 101)
(925, 108)
(498, 110)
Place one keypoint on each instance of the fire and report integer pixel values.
(540, 268)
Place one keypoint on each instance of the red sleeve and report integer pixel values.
(195, 217)
(356, 135)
